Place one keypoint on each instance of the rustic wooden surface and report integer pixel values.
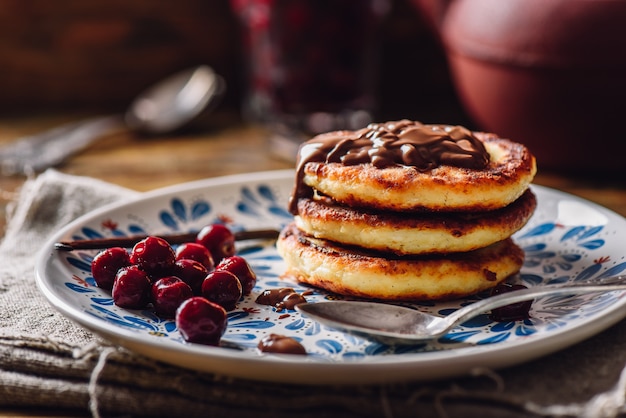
(218, 147)
(221, 146)
(72, 54)
(213, 149)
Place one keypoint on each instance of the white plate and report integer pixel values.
(568, 239)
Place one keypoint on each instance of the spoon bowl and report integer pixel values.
(165, 107)
(395, 325)
(175, 101)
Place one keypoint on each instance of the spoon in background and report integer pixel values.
(162, 108)
(392, 324)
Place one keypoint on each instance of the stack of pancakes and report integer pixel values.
(406, 211)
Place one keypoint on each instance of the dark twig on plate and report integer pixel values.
(173, 239)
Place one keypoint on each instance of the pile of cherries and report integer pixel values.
(196, 283)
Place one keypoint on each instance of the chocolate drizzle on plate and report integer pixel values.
(280, 344)
(280, 298)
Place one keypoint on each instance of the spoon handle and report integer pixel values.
(469, 311)
(47, 149)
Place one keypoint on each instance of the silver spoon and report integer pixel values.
(392, 324)
(162, 108)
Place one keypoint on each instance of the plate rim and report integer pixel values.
(311, 370)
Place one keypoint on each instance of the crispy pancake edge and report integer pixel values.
(401, 188)
(351, 272)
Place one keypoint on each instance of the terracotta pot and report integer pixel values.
(548, 73)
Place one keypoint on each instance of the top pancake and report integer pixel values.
(507, 175)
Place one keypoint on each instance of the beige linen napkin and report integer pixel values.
(48, 362)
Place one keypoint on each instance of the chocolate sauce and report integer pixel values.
(387, 144)
(280, 344)
(513, 312)
(281, 298)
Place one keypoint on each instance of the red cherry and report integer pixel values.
(192, 273)
(240, 268)
(201, 321)
(105, 265)
(154, 255)
(131, 288)
(197, 252)
(223, 288)
(167, 295)
(218, 239)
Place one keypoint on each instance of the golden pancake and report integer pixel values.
(412, 233)
(354, 272)
(510, 170)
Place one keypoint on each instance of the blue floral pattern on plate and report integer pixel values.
(557, 250)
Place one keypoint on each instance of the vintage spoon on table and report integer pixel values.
(165, 107)
(392, 324)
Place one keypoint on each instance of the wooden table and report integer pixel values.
(216, 147)
(224, 146)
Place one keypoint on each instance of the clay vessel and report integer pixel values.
(548, 73)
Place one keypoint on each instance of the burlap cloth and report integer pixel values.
(47, 362)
